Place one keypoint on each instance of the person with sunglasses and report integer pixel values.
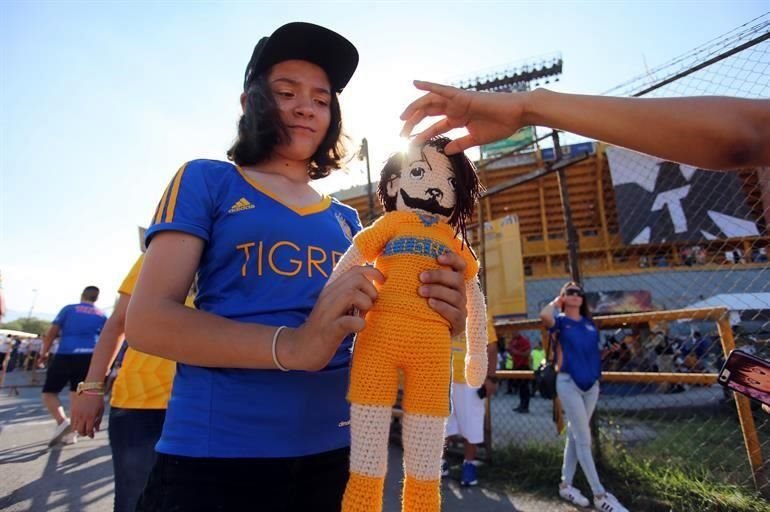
(578, 359)
(257, 418)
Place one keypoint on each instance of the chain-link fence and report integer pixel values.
(653, 236)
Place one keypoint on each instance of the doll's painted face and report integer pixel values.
(427, 183)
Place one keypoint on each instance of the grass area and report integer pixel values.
(693, 464)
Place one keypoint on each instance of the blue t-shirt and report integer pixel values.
(581, 358)
(80, 326)
(263, 262)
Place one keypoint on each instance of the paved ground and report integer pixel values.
(79, 477)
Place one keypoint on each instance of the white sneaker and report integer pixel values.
(59, 432)
(574, 496)
(70, 438)
(608, 503)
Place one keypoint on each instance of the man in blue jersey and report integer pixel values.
(79, 326)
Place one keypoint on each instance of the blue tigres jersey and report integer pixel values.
(579, 343)
(80, 326)
(263, 262)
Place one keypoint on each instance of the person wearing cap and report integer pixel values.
(257, 417)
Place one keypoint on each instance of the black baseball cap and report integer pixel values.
(305, 41)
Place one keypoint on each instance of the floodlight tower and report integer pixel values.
(514, 78)
(518, 77)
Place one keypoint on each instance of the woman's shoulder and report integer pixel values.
(209, 178)
(347, 216)
(343, 208)
(210, 168)
(348, 212)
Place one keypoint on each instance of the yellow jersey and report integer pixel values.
(403, 244)
(144, 381)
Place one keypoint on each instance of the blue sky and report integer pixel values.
(101, 102)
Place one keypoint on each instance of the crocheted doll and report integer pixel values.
(428, 197)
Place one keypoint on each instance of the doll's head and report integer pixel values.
(425, 180)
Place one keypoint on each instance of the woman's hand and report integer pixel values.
(488, 117)
(87, 411)
(445, 290)
(338, 312)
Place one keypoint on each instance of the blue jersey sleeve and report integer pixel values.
(186, 204)
(62, 316)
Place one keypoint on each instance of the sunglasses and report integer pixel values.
(573, 291)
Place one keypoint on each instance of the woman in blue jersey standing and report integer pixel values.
(257, 418)
(577, 384)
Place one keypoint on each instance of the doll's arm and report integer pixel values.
(351, 258)
(476, 335)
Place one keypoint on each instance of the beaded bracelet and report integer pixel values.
(275, 356)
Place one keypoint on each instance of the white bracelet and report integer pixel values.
(275, 356)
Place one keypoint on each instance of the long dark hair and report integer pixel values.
(260, 129)
(468, 189)
(584, 311)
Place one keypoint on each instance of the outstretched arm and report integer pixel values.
(714, 132)
(476, 336)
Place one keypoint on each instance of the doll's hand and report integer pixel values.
(488, 117)
(311, 346)
(475, 370)
(445, 290)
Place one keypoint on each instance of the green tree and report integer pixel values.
(31, 324)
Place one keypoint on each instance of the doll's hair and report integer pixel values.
(260, 129)
(467, 191)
